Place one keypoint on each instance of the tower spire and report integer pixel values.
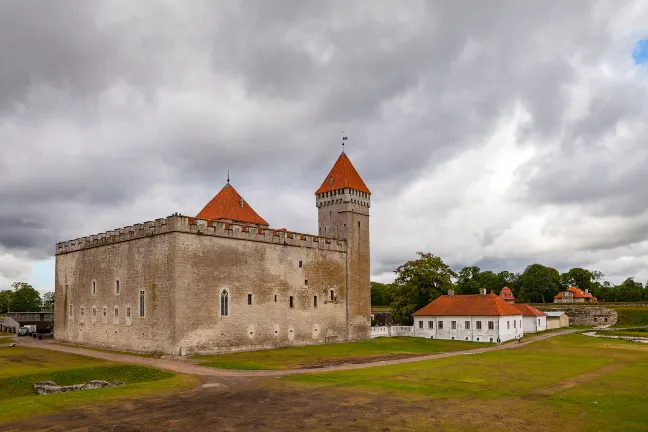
(344, 138)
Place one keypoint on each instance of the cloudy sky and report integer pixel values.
(496, 133)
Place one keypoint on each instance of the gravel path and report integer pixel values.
(187, 367)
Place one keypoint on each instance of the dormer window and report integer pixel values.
(330, 181)
(241, 202)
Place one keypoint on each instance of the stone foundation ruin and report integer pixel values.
(49, 387)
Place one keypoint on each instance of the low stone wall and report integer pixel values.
(391, 331)
(586, 315)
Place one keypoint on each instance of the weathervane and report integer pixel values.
(227, 176)
(343, 139)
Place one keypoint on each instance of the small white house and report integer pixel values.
(477, 317)
(533, 320)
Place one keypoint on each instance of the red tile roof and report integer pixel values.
(578, 293)
(529, 310)
(343, 175)
(469, 305)
(229, 205)
(507, 294)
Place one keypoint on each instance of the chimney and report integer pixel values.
(482, 291)
(450, 292)
(587, 290)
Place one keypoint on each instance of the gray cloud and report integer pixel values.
(111, 111)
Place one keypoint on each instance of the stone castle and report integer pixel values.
(223, 280)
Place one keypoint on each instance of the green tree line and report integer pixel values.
(22, 297)
(422, 280)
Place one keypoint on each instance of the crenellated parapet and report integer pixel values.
(191, 225)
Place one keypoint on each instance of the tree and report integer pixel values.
(25, 298)
(539, 283)
(381, 294)
(471, 279)
(48, 301)
(629, 291)
(5, 301)
(418, 282)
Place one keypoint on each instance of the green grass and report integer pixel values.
(21, 367)
(631, 317)
(548, 384)
(6, 340)
(21, 385)
(5, 334)
(321, 355)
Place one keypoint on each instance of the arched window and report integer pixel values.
(224, 303)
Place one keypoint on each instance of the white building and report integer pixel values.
(478, 317)
(533, 320)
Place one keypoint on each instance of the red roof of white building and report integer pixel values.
(468, 305)
(529, 310)
(577, 293)
(507, 294)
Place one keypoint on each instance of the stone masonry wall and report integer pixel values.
(86, 318)
(270, 273)
(587, 315)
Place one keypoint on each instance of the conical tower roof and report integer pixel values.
(228, 204)
(343, 175)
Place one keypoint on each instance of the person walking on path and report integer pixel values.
(499, 341)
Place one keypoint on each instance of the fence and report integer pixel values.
(391, 331)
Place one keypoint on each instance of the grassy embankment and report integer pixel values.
(579, 383)
(21, 367)
(329, 354)
(631, 317)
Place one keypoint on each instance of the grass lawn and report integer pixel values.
(21, 367)
(329, 354)
(6, 340)
(5, 334)
(631, 317)
(568, 383)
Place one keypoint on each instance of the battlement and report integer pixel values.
(346, 196)
(197, 226)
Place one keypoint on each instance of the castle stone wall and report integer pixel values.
(183, 265)
(270, 273)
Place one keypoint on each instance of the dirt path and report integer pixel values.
(187, 367)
